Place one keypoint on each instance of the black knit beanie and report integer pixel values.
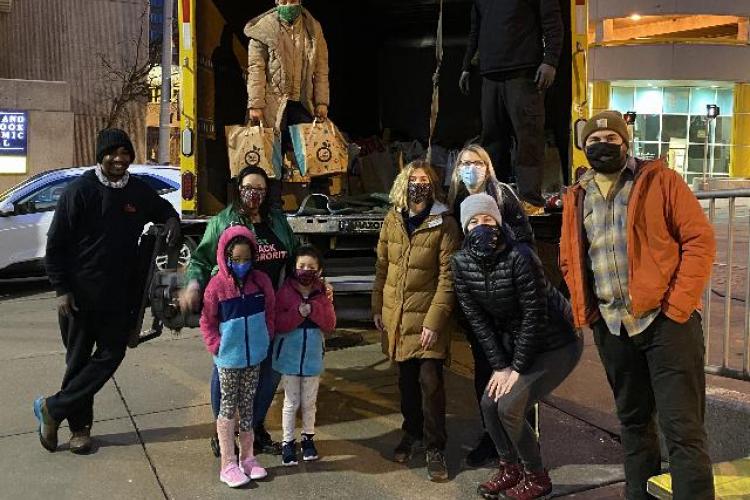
(109, 140)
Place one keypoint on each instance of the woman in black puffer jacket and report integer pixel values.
(524, 327)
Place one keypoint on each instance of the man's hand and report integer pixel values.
(464, 83)
(66, 304)
(321, 112)
(305, 309)
(428, 338)
(190, 297)
(545, 76)
(498, 380)
(255, 115)
(378, 320)
(174, 232)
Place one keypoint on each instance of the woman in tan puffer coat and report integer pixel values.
(412, 303)
(287, 66)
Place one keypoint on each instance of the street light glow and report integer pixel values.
(635, 17)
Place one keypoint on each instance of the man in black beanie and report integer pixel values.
(91, 259)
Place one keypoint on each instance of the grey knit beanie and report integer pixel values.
(479, 204)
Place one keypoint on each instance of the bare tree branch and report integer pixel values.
(125, 82)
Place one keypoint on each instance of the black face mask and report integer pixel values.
(605, 158)
(419, 193)
(482, 241)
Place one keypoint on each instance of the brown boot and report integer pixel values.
(508, 476)
(80, 441)
(535, 485)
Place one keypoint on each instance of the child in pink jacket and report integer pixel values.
(303, 314)
(237, 324)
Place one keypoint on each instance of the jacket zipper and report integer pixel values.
(304, 350)
(278, 348)
(247, 336)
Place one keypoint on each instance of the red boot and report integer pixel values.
(533, 486)
(509, 475)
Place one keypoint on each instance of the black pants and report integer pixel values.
(104, 333)
(294, 114)
(660, 372)
(514, 108)
(422, 388)
(504, 419)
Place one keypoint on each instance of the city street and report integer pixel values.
(153, 423)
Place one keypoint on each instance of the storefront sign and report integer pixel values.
(13, 141)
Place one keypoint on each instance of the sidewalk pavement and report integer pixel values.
(153, 422)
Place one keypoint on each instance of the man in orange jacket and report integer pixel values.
(636, 252)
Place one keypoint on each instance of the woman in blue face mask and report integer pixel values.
(523, 327)
(473, 174)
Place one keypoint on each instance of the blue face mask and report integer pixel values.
(472, 176)
(240, 269)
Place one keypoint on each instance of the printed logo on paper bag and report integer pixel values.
(252, 157)
(324, 152)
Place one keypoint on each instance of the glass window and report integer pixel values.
(676, 100)
(721, 159)
(699, 98)
(725, 100)
(622, 99)
(650, 150)
(648, 100)
(45, 198)
(647, 127)
(674, 126)
(698, 129)
(695, 158)
(723, 134)
(158, 184)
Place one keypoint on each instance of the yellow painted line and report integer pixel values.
(731, 480)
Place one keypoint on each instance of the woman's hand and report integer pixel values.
(329, 290)
(428, 338)
(508, 385)
(497, 381)
(378, 320)
(321, 112)
(255, 116)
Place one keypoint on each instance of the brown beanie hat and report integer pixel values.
(607, 120)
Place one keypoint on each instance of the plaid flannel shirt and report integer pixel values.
(605, 222)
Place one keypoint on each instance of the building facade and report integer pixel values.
(85, 44)
(667, 61)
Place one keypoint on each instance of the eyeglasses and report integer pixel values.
(247, 189)
(475, 164)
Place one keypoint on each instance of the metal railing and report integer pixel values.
(733, 343)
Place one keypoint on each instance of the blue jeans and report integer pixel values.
(267, 384)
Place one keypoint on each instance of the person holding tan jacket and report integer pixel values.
(412, 304)
(287, 80)
(636, 252)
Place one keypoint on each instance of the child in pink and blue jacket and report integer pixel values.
(303, 314)
(237, 324)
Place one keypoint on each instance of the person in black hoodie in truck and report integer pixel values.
(519, 43)
(91, 259)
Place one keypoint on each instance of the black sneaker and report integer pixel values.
(484, 453)
(289, 454)
(405, 449)
(437, 470)
(263, 442)
(309, 452)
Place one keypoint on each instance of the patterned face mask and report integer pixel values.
(252, 197)
(419, 192)
(483, 240)
(306, 277)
